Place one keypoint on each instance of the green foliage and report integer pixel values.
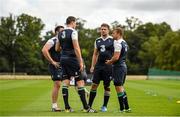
(20, 43)
(167, 55)
(150, 45)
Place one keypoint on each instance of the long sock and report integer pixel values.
(106, 98)
(91, 97)
(65, 96)
(125, 101)
(120, 98)
(81, 93)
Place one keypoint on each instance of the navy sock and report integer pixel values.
(81, 93)
(91, 97)
(120, 98)
(65, 96)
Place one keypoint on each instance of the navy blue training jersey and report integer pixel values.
(105, 49)
(65, 39)
(123, 48)
(53, 53)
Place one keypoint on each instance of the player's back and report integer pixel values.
(65, 39)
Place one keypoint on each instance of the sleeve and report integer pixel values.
(95, 46)
(50, 42)
(74, 35)
(117, 46)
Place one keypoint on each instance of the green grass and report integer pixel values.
(33, 98)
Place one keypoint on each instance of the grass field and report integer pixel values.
(146, 97)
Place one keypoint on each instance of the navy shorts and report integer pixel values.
(119, 75)
(70, 67)
(102, 73)
(56, 73)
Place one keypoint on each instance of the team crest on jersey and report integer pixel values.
(99, 41)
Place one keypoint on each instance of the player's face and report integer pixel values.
(74, 24)
(61, 29)
(104, 31)
(115, 35)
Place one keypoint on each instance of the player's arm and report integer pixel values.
(94, 59)
(115, 57)
(77, 49)
(117, 52)
(45, 51)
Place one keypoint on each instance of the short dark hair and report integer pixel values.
(105, 25)
(70, 19)
(119, 31)
(57, 28)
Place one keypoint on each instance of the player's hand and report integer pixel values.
(81, 66)
(92, 69)
(56, 64)
(108, 62)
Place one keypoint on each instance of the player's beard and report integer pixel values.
(104, 35)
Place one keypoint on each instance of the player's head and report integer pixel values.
(58, 29)
(71, 21)
(104, 29)
(117, 33)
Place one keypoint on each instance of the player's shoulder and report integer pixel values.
(99, 38)
(110, 37)
(123, 41)
(70, 29)
(52, 40)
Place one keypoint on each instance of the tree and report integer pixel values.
(7, 39)
(132, 23)
(167, 56)
(20, 40)
(149, 52)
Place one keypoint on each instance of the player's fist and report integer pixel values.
(109, 62)
(92, 69)
(56, 64)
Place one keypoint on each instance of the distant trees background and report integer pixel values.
(151, 45)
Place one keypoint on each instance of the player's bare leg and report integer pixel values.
(55, 96)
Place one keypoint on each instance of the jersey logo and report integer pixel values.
(126, 48)
(103, 49)
(63, 34)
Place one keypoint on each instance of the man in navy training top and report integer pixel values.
(119, 68)
(103, 50)
(54, 58)
(71, 62)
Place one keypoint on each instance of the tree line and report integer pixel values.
(151, 45)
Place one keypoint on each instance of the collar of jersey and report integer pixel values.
(120, 40)
(69, 28)
(104, 39)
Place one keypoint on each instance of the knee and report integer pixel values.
(106, 91)
(57, 84)
(118, 83)
(94, 86)
(106, 88)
